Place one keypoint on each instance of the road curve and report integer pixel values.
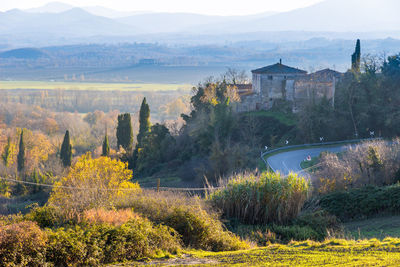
(289, 161)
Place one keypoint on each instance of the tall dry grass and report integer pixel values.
(369, 163)
(193, 218)
(112, 217)
(263, 198)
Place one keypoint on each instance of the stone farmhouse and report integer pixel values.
(281, 82)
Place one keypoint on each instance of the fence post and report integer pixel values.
(158, 185)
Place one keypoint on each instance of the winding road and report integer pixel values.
(289, 161)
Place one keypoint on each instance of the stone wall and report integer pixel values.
(293, 87)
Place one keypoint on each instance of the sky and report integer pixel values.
(210, 7)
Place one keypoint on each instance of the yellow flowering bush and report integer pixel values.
(93, 183)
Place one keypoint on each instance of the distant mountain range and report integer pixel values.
(58, 7)
(62, 22)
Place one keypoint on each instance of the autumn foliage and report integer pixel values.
(93, 183)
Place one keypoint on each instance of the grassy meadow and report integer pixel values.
(379, 227)
(88, 86)
(307, 253)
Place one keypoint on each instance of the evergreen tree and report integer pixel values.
(66, 150)
(21, 152)
(144, 121)
(144, 130)
(7, 153)
(356, 57)
(106, 147)
(124, 132)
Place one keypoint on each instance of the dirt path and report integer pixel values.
(183, 260)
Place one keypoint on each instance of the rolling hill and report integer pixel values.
(327, 16)
(73, 22)
(59, 24)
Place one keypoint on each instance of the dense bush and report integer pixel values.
(198, 225)
(22, 244)
(261, 199)
(46, 216)
(103, 243)
(374, 163)
(93, 183)
(25, 244)
(362, 202)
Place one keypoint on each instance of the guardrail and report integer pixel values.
(263, 154)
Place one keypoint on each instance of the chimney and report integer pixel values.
(280, 61)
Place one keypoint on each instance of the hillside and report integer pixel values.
(332, 15)
(24, 53)
(70, 23)
(351, 18)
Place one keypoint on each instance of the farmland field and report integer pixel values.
(333, 252)
(82, 86)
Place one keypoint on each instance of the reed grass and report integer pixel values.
(262, 199)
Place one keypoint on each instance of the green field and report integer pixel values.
(42, 85)
(334, 252)
(380, 228)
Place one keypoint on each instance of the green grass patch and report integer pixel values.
(287, 119)
(379, 228)
(87, 86)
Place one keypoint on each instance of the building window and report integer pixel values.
(270, 78)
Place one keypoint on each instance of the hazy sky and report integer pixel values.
(214, 7)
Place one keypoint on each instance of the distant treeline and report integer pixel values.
(89, 101)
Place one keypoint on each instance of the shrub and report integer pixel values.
(11, 219)
(321, 222)
(262, 199)
(67, 247)
(22, 244)
(294, 232)
(138, 239)
(191, 217)
(46, 216)
(94, 244)
(368, 163)
(93, 183)
(362, 202)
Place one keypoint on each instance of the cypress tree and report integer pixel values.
(144, 121)
(7, 153)
(124, 132)
(356, 57)
(106, 147)
(21, 152)
(144, 130)
(66, 150)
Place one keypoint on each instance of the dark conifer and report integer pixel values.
(66, 150)
(144, 121)
(21, 153)
(356, 57)
(124, 132)
(106, 147)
